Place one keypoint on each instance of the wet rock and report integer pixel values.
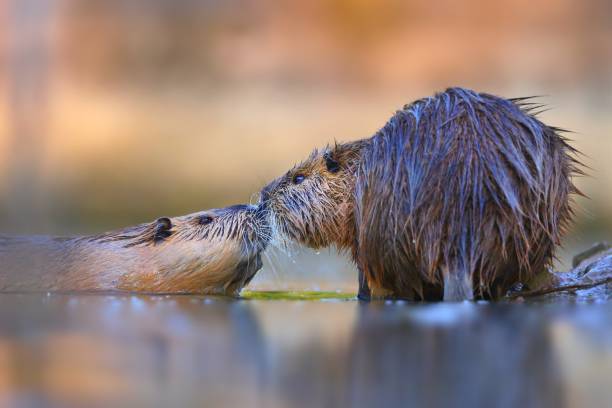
(595, 267)
(590, 278)
(589, 253)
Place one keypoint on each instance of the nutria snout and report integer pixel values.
(461, 194)
(211, 252)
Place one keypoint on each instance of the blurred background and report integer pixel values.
(115, 112)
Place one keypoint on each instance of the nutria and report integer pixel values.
(210, 252)
(461, 194)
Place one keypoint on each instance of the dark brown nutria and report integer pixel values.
(211, 252)
(461, 194)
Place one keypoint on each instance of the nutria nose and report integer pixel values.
(264, 195)
(233, 209)
(266, 192)
(261, 210)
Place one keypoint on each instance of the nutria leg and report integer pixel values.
(457, 286)
(364, 289)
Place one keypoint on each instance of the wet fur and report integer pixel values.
(178, 255)
(461, 194)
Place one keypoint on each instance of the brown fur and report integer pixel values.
(321, 214)
(458, 195)
(212, 252)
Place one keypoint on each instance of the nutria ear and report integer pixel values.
(162, 229)
(343, 155)
(331, 163)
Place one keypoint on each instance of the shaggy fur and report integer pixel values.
(212, 252)
(461, 194)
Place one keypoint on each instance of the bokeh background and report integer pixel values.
(115, 112)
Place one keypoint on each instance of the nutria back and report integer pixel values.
(462, 193)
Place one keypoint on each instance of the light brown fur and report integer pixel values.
(219, 257)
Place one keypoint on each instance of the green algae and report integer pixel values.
(296, 295)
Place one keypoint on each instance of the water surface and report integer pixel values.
(275, 350)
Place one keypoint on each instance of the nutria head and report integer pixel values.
(215, 251)
(311, 203)
(209, 252)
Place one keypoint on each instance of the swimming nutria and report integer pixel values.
(459, 194)
(210, 252)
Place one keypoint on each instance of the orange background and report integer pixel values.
(115, 112)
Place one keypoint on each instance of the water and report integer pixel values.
(273, 350)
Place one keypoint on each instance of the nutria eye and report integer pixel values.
(205, 219)
(298, 178)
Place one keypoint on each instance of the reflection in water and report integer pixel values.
(72, 350)
(62, 350)
(470, 356)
